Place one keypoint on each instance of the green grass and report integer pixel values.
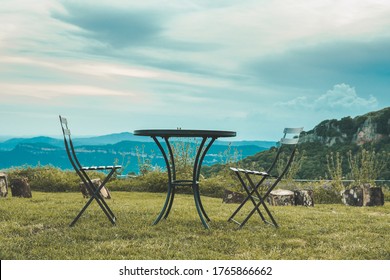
(38, 228)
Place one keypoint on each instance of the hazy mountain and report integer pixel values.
(59, 142)
(13, 142)
(107, 149)
(262, 144)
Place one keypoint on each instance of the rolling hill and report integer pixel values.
(107, 149)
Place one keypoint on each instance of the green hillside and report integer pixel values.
(345, 137)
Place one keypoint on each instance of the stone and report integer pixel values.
(373, 197)
(363, 196)
(232, 197)
(104, 192)
(304, 197)
(3, 185)
(281, 197)
(20, 187)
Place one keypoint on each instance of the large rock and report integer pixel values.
(304, 197)
(363, 196)
(20, 187)
(3, 185)
(232, 197)
(104, 192)
(281, 198)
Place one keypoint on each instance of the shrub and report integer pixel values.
(153, 181)
(49, 179)
(215, 186)
(325, 193)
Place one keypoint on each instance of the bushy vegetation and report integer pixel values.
(51, 179)
(47, 178)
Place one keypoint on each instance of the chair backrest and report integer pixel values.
(69, 145)
(289, 141)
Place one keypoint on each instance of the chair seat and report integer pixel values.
(108, 167)
(254, 172)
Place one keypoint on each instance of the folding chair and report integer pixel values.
(82, 173)
(258, 192)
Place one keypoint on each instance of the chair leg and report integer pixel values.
(261, 202)
(99, 199)
(257, 208)
(249, 197)
(256, 205)
(244, 201)
(102, 205)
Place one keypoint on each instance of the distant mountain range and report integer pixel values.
(124, 148)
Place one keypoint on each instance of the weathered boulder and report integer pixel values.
(20, 187)
(3, 185)
(281, 198)
(232, 197)
(304, 197)
(363, 196)
(104, 192)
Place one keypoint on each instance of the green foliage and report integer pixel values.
(144, 161)
(366, 166)
(215, 186)
(155, 181)
(335, 169)
(47, 178)
(326, 193)
(382, 120)
(294, 168)
(125, 162)
(184, 155)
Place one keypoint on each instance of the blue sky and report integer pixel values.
(252, 66)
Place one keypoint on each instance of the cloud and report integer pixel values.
(365, 64)
(114, 26)
(341, 97)
(47, 91)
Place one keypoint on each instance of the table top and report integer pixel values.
(184, 133)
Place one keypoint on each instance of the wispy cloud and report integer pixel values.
(118, 27)
(45, 91)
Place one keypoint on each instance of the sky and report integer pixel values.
(250, 66)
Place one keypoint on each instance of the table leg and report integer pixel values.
(169, 200)
(200, 155)
(196, 175)
(171, 173)
(199, 207)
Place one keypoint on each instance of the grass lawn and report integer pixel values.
(38, 228)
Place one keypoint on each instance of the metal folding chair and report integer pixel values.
(82, 173)
(258, 192)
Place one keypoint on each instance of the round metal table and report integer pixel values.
(208, 137)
